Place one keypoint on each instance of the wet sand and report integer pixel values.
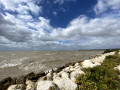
(13, 64)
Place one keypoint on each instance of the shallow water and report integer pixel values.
(15, 63)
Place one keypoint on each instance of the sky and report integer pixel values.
(59, 24)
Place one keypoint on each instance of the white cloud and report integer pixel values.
(103, 5)
(82, 32)
(25, 17)
(55, 13)
(23, 32)
(34, 8)
(22, 6)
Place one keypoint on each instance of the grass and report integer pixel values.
(102, 77)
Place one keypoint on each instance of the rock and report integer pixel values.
(75, 74)
(55, 75)
(17, 87)
(72, 68)
(5, 80)
(65, 84)
(41, 79)
(68, 64)
(30, 76)
(67, 69)
(95, 61)
(64, 74)
(46, 85)
(49, 76)
(89, 64)
(40, 74)
(34, 77)
(59, 69)
(20, 80)
(77, 64)
(117, 68)
(30, 85)
(5, 83)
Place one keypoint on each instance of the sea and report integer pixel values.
(18, 63)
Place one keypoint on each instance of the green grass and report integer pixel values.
(102, 77)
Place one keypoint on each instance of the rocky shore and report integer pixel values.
(62, 78)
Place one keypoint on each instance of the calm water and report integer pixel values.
(20, 63)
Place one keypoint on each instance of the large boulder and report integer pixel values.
(65, 84)
(17, 87)
(89, 64)
(30, 85)
(75, 74)
(46, 85)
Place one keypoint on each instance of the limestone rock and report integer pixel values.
(64, 75)
(49, 76)
(89, 64)
(117, 68)
(46, 85)
(65, 84)
(17, 87)
(67, 69)
(75, 74)
(77, 64)
(30, 85)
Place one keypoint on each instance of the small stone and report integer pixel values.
(17, 87)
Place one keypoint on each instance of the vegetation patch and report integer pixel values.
(110, 50)
(102, 77)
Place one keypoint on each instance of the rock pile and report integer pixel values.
(62, 78)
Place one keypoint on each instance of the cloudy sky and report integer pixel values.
(59, 24)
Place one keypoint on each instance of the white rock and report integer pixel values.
(78, 67)
(67, 69)
(117, 68)
(77, 64)
(46, 85)
(54, 75)
(72, 68)
(75, 74)
(64, 75)
(65, 84)
(30, 85)
(49, 76)
(88, 63)
(95, 61)
(16, 87)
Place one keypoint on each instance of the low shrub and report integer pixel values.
(110, 50)
(102, 77)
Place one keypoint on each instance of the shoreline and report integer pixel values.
(51, 75)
